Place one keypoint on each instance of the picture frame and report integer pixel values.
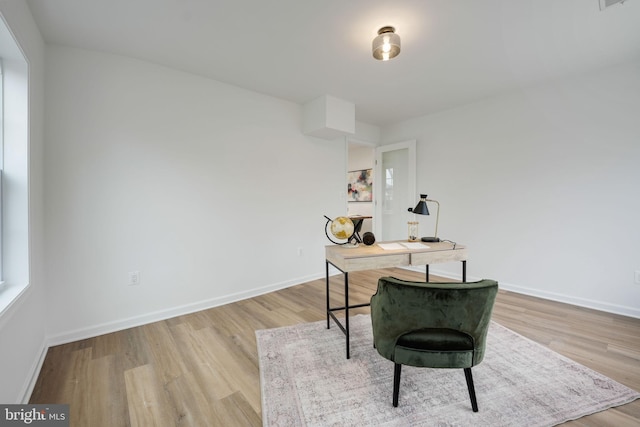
(360, 185)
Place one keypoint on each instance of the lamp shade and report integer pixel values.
(386, 45)
(421, 207)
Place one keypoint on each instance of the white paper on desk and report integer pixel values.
(414, 245)
(390, 246)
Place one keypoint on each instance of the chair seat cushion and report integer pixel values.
(435, 348)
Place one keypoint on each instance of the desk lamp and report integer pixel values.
(421, 208)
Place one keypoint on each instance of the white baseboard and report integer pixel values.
(580, 302)
(118, 325)
(552, 296)
(36, 367)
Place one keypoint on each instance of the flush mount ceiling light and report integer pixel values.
(386, 45)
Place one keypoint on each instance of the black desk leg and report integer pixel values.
(464, 271)
(344, 327)
(327, 279)
(346, 309)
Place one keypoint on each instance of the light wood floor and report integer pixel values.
(202, 369)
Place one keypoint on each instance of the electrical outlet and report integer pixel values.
(637, 277)
(134, 278)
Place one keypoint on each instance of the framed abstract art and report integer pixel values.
(359, 185)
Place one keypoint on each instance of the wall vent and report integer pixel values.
(608, 3)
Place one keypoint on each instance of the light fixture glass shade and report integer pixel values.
(386, 45)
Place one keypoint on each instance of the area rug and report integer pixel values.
(307, 381)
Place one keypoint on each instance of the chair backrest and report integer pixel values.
(401, 306)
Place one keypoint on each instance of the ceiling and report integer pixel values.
(453, 51)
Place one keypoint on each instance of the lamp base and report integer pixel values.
(430, 239)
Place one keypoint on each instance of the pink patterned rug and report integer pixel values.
(307, 381)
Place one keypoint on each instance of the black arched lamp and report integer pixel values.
(422, 209)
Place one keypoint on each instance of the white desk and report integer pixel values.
(373, 257)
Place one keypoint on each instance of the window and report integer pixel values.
(2, 285)
(388, 187)
(14, 158)
(1, 167)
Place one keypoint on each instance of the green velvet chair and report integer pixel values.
(432, 325)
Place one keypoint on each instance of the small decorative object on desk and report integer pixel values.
(341, 228)
(368, 238)
(413, 230)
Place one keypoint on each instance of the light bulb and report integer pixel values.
(386, 45)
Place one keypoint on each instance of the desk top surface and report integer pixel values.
(363, 251)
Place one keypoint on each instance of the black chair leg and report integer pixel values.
(472, 390)
(396, 383)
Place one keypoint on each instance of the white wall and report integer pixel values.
(542, 184)
(360, 157)
(22, 323)
(207, 189)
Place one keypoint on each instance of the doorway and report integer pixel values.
(360, 162)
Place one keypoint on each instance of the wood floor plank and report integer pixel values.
(240, 370)
(134, 348)
(202, 368)
(53, 378)
(106, 393)
(77, 386)
(146, 398)
(199, 356)
(166, 360)
(235, 411)
(190, 404)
